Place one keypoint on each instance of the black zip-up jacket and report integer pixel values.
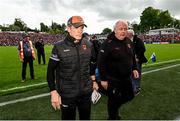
(139, 49)
(116, 59)
(71, 65)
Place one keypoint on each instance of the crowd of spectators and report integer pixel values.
(12, 38)
(171, 38)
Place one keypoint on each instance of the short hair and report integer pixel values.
(131, 31)
(120, 22)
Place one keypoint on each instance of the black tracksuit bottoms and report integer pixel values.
(69, 105)
(24, 65)
(41, 53)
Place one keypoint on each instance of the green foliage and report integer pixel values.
(165, 19)
(19, 23)
(43, 27)
(106, 31)
(149, 18)
(55, 28)
(152, 18)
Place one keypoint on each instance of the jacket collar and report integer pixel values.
(69, 40)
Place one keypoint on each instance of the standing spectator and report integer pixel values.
(27, 55)
(39, 45)
(73, 61)
(139, 50)
(116, 62)
(96, 44)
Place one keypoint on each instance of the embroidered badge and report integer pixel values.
(84, 47)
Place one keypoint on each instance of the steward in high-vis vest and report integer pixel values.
(27, 55)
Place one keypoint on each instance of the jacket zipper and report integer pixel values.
(79, 68)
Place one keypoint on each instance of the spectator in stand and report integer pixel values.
(139, 50)
(27, 55)
(39, 45)
(116, 63)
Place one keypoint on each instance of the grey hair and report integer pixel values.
(131, 31)
(120, 22)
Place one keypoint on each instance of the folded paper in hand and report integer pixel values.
(95, 96)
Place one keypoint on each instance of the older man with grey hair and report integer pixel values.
(116, 63)
(139, 50)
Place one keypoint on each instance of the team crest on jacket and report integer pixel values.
(84, 47)
(129, 46)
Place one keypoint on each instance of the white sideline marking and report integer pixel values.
(22, 87)
(47, 94)
(24, 99)
(163, 68)
(38, 84)
(163, 62)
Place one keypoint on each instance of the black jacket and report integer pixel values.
(39, 46)
(116, 58)
(116, 61)
(139, 49)
(71, 61)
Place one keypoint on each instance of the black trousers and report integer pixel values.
(41, 53)
(114, 103)
(24, 65)
(69, 106)
(117, 97)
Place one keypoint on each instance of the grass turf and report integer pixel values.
(159, 98)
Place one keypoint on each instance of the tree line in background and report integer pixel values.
(151, 18)
(155, 19)
(20, 25)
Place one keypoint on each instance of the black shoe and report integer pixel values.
(32, 78)
(115, 118)
(118, 117)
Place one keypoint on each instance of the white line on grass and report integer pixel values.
(39, 84)
(162, 62)
(24, 99)
(163, 68)
(47, 94)
(22, 87)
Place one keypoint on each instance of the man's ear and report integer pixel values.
(68, 28)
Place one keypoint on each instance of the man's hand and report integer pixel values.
(55, 99)
(95, 86)
(135, 74)
(104, 84)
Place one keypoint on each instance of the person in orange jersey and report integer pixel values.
(27, 55)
